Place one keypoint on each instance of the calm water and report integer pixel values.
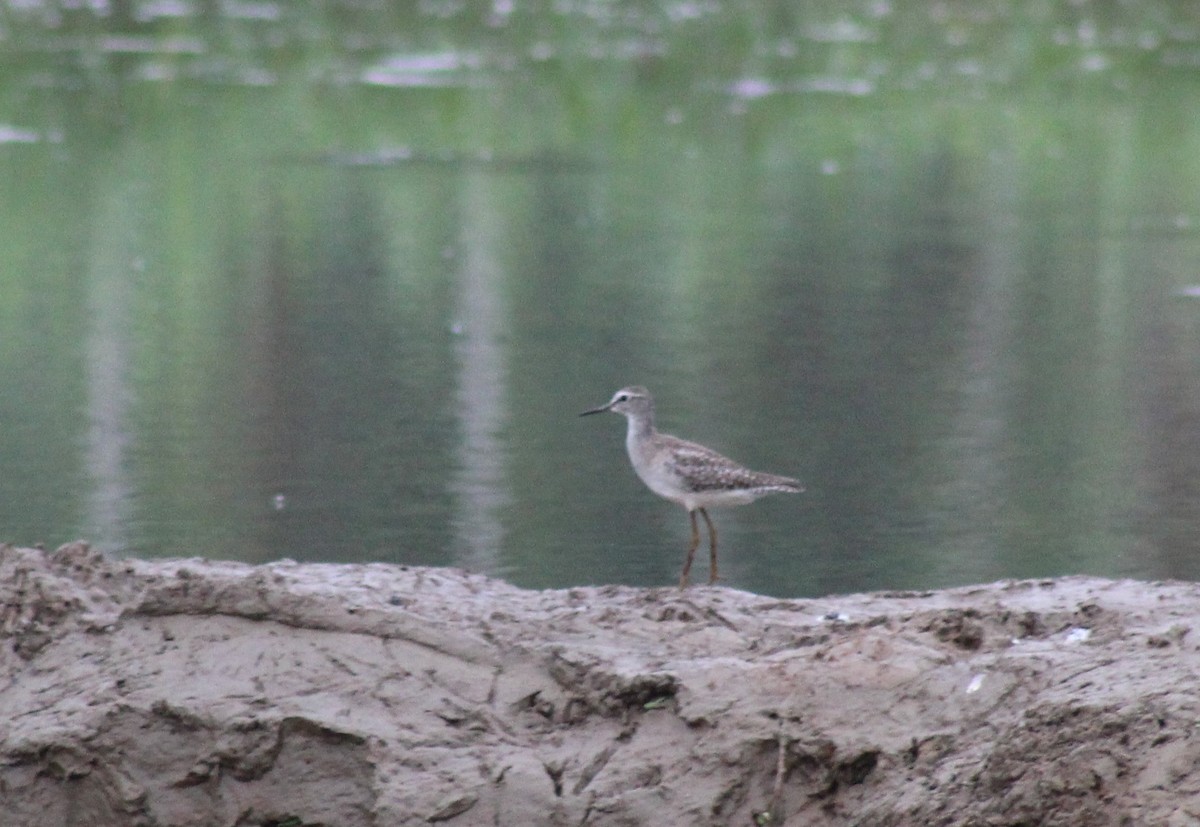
(335, 287)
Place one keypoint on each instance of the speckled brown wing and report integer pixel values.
(704, 469)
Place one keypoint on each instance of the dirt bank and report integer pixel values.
(189, 692)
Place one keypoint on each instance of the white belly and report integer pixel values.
(655, 470)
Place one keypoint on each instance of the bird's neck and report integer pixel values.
(640, 428)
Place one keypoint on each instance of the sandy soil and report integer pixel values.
(190, 692)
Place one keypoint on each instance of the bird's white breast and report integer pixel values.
(651, 467)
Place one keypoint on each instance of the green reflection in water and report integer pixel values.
(335, 287)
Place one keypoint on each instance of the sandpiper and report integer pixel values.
(687, 473)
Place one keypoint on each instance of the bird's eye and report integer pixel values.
(623, 398)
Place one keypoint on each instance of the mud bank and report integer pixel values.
(190, 692)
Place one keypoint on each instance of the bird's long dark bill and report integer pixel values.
(601, 409)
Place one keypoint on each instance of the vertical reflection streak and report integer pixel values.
(479, 486)
(109, 395)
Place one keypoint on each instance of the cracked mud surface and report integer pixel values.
(192, 692)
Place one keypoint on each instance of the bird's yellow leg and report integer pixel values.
(712, 547)
(687, 565)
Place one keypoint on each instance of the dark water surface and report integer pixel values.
(336, 286)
